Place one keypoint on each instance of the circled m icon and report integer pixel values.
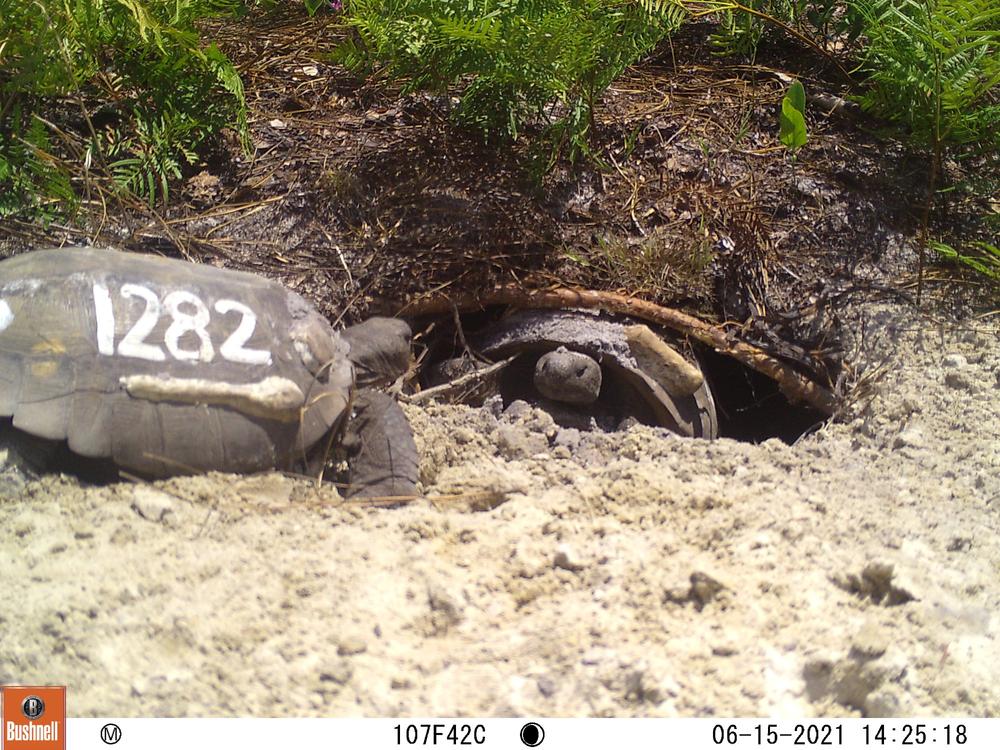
(111, 734)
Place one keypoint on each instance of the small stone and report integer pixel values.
(493, 406)
(464, 436)
(139, 686)
(123, 535)
(596, 656)
(869, 643)
(542, 422)
(958, 381)
(884, 703)
(151, 504)
(880, 582)
(128, 595)
(513, 443)
(517, 410)
(955, 361)
(277, 124)
(446, 610)
(959, 544)
(338, 672)
(568, 437)
(546, 686)
(351, 645)
(567, 559)
(725, 649)
(627, 424)
(640, 687)
(911, 437)
(704, 589)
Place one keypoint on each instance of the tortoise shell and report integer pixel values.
(629, 381)
(165, 367)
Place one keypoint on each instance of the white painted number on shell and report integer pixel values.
(134, 344)
(233, 348)
(7, 316)
(105, 315)
(188, 314)
(182, 322)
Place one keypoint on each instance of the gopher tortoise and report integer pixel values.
(167, 367)
(591, 368)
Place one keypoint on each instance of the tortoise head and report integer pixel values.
(379, 350)
(568, 376)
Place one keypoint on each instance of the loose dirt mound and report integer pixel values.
(626, 574)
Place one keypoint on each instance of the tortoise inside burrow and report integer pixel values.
(587, 368)
(167, 367)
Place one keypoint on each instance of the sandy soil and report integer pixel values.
(631, 574)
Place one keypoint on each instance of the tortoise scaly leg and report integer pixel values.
(382, 455)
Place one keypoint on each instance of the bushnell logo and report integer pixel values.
(32, 707)
(40, 724)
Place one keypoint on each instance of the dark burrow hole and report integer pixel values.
(749, 405)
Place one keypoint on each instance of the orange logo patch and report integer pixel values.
(34, 718)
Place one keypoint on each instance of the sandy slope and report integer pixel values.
(628, 574)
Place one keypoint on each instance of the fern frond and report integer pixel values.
(510, 62)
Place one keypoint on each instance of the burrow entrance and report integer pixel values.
(749, 405)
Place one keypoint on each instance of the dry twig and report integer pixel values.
(454, 385)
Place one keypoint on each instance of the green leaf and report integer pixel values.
(982, 257)
(793, 123)
(312, 6)
(796, 96)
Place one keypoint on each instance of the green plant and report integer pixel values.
(834, 20)
(741, 25)
(934, 66)
(815, 23)
(980, 256)
(792, 119)
(312, 6)
(510, 62)
(123, 88)
(31, 179)
(739, 31)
